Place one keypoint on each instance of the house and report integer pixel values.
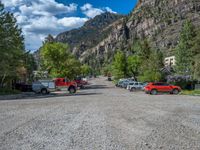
(170, 61)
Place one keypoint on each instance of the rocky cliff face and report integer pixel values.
(160, 20)
(88, 36)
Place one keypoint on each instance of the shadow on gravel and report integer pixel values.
(52, 95)
(96, 87)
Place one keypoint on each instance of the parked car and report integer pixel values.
(125, 83)
(23, 87)
(119, 83)
(154, 88)
(47, 86)
(133, 86)
(109, 79)
(80, 82)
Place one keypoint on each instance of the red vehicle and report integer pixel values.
(154, 88)
(80, 83)
(65, 83)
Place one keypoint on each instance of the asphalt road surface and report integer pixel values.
(101, 117)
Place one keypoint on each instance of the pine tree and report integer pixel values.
(184, 55)
(11, 46)
(196, 56)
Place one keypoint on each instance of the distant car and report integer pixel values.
(154, 88)
(109, 79)
(80, 82)
(133, 86)
(119, 83)
(125, 83)
(23, 87)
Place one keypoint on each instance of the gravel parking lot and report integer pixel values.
(101, 117)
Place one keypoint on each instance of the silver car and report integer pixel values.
(135, 86)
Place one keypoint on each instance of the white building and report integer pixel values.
(170, 61)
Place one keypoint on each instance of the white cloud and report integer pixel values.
(108, 9)
(38, 18)
(91, 12)
(47, 8)
(40, 27)
(12, 3)
(70, 22)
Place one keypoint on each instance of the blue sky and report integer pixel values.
(38, 18)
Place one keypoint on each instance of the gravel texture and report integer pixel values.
(101, 117)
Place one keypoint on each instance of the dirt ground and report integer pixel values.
(101, 117)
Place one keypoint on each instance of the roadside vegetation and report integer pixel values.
(191, 92)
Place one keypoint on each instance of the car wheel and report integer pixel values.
(175, 91)
(153, 92)
(133, 89)
(72, 90)
(44, 91)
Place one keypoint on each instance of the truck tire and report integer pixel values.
(44, 91)
(72, 90)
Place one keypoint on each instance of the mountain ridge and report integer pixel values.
(90, 34)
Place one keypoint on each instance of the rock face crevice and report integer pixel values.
(160, 20)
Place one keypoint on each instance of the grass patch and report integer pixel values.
(192, 92)
(6, 91)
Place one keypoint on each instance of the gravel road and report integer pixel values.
(101, 117)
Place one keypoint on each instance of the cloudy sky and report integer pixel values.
(38, 18)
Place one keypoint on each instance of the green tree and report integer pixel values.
(30, 65)
(142, 49)
(107, 70)
(184, 55)
(119, 66)
(133, 65)
(150, 69)
(86, 70)
(196, 67)
(196, 56)
(11, 47)
(58, 60)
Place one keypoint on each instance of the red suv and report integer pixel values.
(154, 88)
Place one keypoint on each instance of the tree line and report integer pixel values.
(145, 62)
(15, 62)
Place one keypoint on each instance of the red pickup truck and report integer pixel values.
(65, 83)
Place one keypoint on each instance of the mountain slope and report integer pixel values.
(93, 31)
(159, 20)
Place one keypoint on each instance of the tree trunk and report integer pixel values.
(2, 80)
